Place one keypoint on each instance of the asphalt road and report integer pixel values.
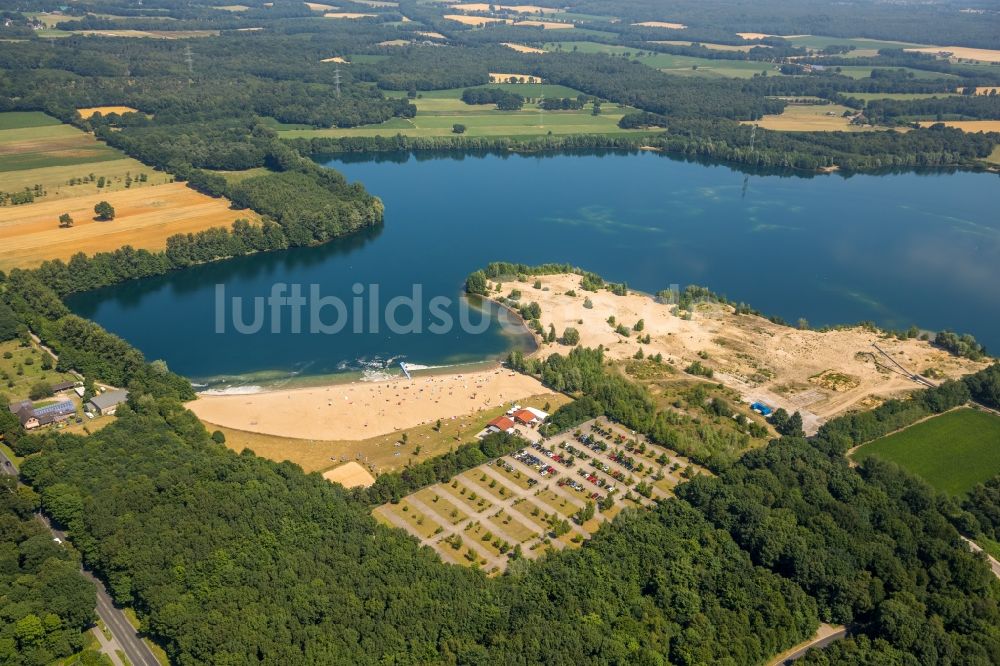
(136, 651)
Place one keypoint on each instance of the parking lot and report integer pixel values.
(552, 494)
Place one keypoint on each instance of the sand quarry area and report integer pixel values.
(821, 374)
(362, 410)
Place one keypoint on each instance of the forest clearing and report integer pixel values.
(810, 118)
(952, 452)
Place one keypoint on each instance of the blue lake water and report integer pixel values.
(897, 249)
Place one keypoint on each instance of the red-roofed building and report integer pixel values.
(500, 424)
(526, 417)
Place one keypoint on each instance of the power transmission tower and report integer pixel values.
(336, 80)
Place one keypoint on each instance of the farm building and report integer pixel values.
(63, 386)
(32, 418)
(107, 403)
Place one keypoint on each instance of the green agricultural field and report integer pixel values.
(674, 64)
(438, 111)
(23, 119)
(952, 452)
(38, 150)
(862, 46)
(34, 140)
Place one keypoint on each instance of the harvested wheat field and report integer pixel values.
(545, 25)
(474, 20)
(521, 48)
(430, 35)
(967, 125)
(518, 9)
(337, 59)
(754, 35)
(981, 90)
(395, 42)
(821, 374)
(661, 24)
(810, 118)
(347, 15)
(961, 52)
(350, 475)
(105, 110)
(317, 7)
(145, 218)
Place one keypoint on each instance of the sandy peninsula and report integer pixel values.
(821, 374)
(362, 410)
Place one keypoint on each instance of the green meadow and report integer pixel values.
(438, 111)
(674, 64)
(952, 452)
(865, 46)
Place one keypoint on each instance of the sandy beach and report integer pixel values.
(362, 410)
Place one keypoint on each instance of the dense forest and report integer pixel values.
(232, 559)
(290, 569)
(45, 602)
